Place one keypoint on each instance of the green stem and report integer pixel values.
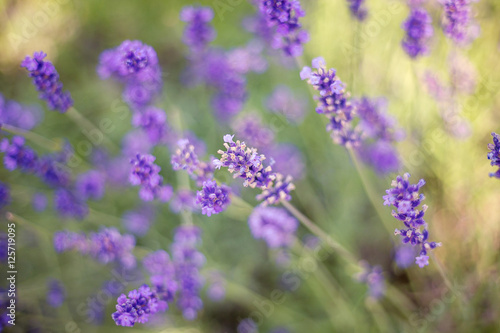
(33, 137)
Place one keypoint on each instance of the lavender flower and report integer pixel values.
(162, 271)
(51, 170)
(198, 32)
(212, 198)
(273, 225)
(17, 115)
(138, 221)
(90, 185)
(404, 255)
(381, 155)
(288, 159)
(187, 262)
(248, 59)
(418, 27)
(146, 174)
(405, 198)
(494, 154)
(137, 307)
(333, 102)
(358, 9)
(458, 24)
(251, 129)
(285, 102)
(135, 142)
(17, 155)
(56, 293)
(247, 325)
(373, 277)
(375, 121)
(68, 205)
(284, 16)
(153, 121)
(46, 81)
(39, 202)
(70, 241)
(184, 157)
(183, 200)
(4, 195)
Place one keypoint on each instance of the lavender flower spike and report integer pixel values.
(274, 225)
(494, 154)
(406, 199)
(358, 9)
(418, 27)
(212, 198)
(146, 174)
(46, 81)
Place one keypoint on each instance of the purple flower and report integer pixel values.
(422, 261)
(138, 221)
(184, 157)
(283, 16)
(248, 59)
(153, 121)
(250, 129)
(135, 142)
(278, 191)
(53, 171)
(198, 33)
(17, 155)
(494, 154)
(69, 241)
(418, 27)
(458, 24)
(4, 195)
(146, 174)
(247, 325)
(46, 81)
(405, 198)
(17, 115)
(68, 205)
(212, 198)
(374, 278)
(381, 155)
(405, 255)
(287, 103)
(375, 121)
(358, 9)
(90, 185)
(333, 101)
(184, 200)
(138, 306)
(39, 202)
(108, 245)
(55, 293)
(188, 260)
(162, 271)
(216, 286)
(288, 159)
(273, 225)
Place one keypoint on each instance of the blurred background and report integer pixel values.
(325, 296)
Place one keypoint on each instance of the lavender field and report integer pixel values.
(271, 166)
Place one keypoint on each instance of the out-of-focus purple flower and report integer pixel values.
(422, 260)
(184, 200)
(247, 325)
(55, 293)
(250, 129)
(404, 255)
(374, 278)
(146, 174)
(46, 81)
(90, 185)
(162, 274)
(333, 101)
(405, 198)
(381, 155)
(4, 195)
(375, 121)
(273, 225)
(418, 27)
(188, 260)
(198, 32)
(287, 158)
(135, 142)
(436, 88)
(4, 244)
(39, 202)
(69, 205)
(69, 241)
(213, 199)
(458, 24)
(184, 157)
(248, 59)
(216, 290)
(153, 121)
(358, 9)
(494, 154)
(138, 221)
(52, 171)
(283, 16)
(17, 115)
(17, 155)
(138, 306)
(285, 102)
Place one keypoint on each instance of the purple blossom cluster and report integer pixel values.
(153, 121)
(358, 9)
(418, 27)
(247, 164)
(378, 133)
(405, 198)
(188, 261)
(138, 221)
(145, 173)
(55, 293)
(138, 306)
(105, 246)
(273, 225)
(184, 200)
(250, 129)
(283, 17)
(69, 205)
(212, 198)
(4, 195)
(458, 23)
(162, 274)
(46, 81)
(333, 101)
(199, 32)
(21, 116)
(494, 154)
(136, 65)
(374, 279)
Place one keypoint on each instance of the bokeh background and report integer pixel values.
(463, 201)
